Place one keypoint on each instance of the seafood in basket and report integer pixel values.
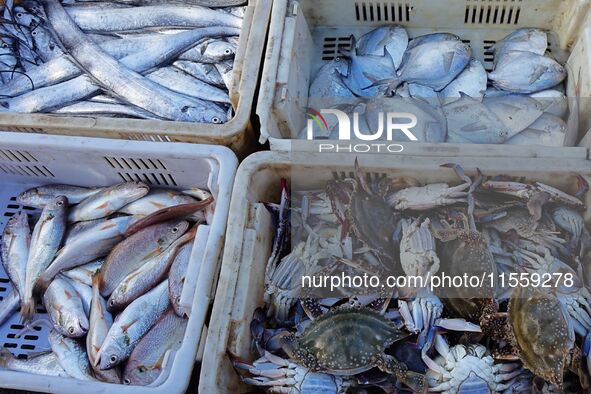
(133, 59)
(107, 265)
(525, 329)
(435, 77)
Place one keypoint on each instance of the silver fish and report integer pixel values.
(366, 71)
(424, 93)
(434, 64)
(39, 197)
(426, 39)
(554, 102)
(45, 46)
(210, 51)
(517, 112)
(145, 362)
(85, 293)
(108, 201)
(155, 200)
(152, 272)
(44, 364)
(65, 308)
(181, 82)
(45, 241)
(177, 275)
(131, 325)
(91, 108)
(524, 39)
(205, 72)
(85, 273)
(16, 241)
(470, 121)
(71, 356)
(131, 253)
(526, 72)
(87, 246)
(472, 81)
(205, 3)
(392, 38)
(100, 323)
(115, 19)
(226, 71)
(548, 130)
(328, 81)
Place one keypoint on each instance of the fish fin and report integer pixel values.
(539, 71)
(27, 310)
(476, 126)
(448, 59)
(350, 52)
(42, 283)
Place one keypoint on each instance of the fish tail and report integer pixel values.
(27, 309)
(43, 282)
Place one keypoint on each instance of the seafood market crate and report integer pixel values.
(304, 34)
(238, 133)
(250, 231)
(31, 160)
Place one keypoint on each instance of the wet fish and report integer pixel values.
(85, 293)
(169, 213)
(526, 72)
(145, 362)
(328, 81)
(131, 253)
(177, 275)
(116, 19)
(108, 201)
(100, 323)
(433, 63)
(388, 39)
(45, 241)
(91, 108)
(525, 39)
(71, 356)
(45, 364)
(207, 73)
(554, 102)
(152, 272)
(472, 81)
(40, 196)
(155, 200)
(16, 241)
(427, 39)
(87, 246)
(517, 112)
(210, 51)
(84, 273)
(548, 130)
(366, 71)
(65, 308)
(181, 82)
(469, 120)
(131, 325)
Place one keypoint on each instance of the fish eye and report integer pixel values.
(71, 330)
(113, 358)
(215, 119)
(228, 51)
(142, 369)
(19, 15)
(126, 381)
(60, 203)
(5, 45)
(175, 230)
(111, 302)
(34, 33)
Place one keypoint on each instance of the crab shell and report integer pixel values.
(345, 341)
(469, 255)
(427, 197)
(542, 334)
(417, 248)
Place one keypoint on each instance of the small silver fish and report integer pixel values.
(40, 196)
(145, 362)
(45, 241)
(131, 325)
(108, 201)
(71, 356)
(65, 308)
(388, 39)
(45, 364)
(177, 275)
(16, 241)
(526, 72)
(155, 200)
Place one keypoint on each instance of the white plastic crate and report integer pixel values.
(238, 133)
(303, 34)
(31, 160)
(250, 230)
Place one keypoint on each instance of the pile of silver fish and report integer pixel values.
(496, 337)
(108, 265)
(135, 59)
(435, 77)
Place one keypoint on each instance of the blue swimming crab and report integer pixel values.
(349, 340)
